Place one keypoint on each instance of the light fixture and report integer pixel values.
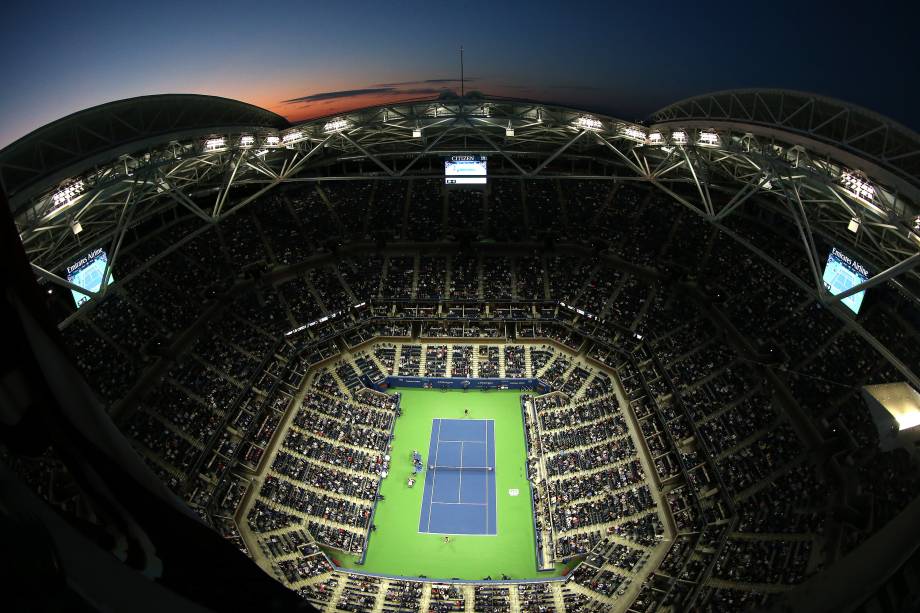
(589, 123)
(857, 185)
(291, 137)
(679, 137)
(634, 133)
(708, 138)
(67, 194)
(655, 138)
(247, 140)
(213, 144)
(853, 226)
(336, 125)
(76, 227)
(417, 133)
(272, 141)
(509, 131)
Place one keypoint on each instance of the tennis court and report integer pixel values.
(459, 494)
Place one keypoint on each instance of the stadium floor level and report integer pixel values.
(398, 548)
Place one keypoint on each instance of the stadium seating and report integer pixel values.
(237, 365)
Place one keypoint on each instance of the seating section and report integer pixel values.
(674, 456)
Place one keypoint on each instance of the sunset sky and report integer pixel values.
(304, 59)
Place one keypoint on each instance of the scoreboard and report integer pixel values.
(87, 273)
(841, 273)
(465, 169)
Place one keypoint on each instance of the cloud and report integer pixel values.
(424, 82)
(345, 93)
(325, 98)
(422, 91)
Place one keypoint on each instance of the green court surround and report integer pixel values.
(397, 547)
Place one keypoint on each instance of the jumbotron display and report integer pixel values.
(840, 274)
(465, 170)
(87, 273)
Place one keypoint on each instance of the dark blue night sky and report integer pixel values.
(305, 59)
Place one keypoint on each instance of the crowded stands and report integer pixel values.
(670, 432)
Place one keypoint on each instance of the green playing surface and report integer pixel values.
(397, 547)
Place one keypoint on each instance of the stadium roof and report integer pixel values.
(821, 123)
(65, 147)
(832, 169)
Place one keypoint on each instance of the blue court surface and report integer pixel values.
(459, 496)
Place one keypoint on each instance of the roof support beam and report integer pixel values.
(50, 276)
(742, 196)
(182, 199)
(556, 153)
(680, 199)
(285, 174)
(635, 167)
(228, 183)
(492, 144)
(124, 222)
(369, 155)
(423, 153)
(701, 188)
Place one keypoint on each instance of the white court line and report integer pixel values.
(459, 533)
(460, 483)
(488, 463)
(487, 477)
(434, 478)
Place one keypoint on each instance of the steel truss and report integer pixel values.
(828, 168)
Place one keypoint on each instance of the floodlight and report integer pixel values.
(67, 194)
(857, 185)
(247, 141)
(509, 131)
(679, 137)
(76, 227)
(272, 141)
(417, 133)
(290, 137)
(634, 133)
(853, 226)
(336, 125)
(589, 123)
(708, 138)
(655, 138)
(212, 144)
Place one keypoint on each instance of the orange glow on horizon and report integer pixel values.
(273, 100)
(313, 110)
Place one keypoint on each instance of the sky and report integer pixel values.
(308, 59)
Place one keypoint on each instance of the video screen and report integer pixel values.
(841, 273)
(465, 170)
(87, 273)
